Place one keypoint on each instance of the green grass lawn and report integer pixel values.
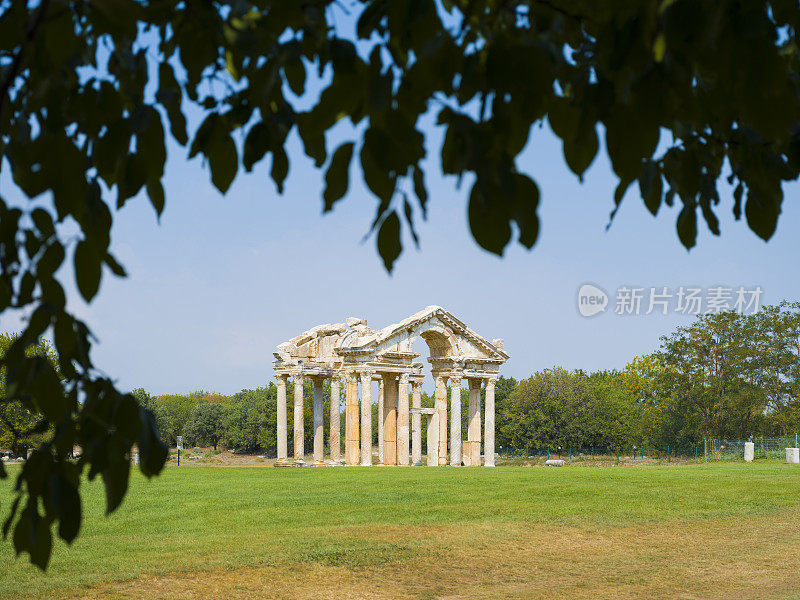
(205, 518)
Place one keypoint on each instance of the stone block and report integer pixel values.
(554, 462)
(793, 456)
(749, 451)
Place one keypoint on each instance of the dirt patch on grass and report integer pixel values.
(726, 559)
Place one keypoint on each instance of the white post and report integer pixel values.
(282, 432)
(402, 421)
(366, 419)
(488, 434)
(319, 426)
(749, 451)
(416, 422)
(336, 408)
(299, 451)
(455, 421)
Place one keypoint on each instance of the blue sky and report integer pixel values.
(220, 281)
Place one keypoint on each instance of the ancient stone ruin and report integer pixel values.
(355, 354)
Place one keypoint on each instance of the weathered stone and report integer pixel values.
(380, 420)
(793, 456)
(335, 425)
(351, 449)
(402, 420)
(319, 426)
(366, 419)
(345, 349)
(488, 434)
(299, 452)
(416, 422)
(390, 420)
(474, 427)
(282, 429)
(554, 462)
(455, 421)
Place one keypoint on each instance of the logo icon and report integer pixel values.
(591, 300)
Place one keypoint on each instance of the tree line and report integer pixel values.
(725, 375)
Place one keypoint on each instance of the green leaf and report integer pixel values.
(762, 211)
(87, 270)
(295, 74)
(389, 244)
(152, 451)
(687, 226)
(420, 191)
(280, 167)
(51, 259)
(256, 145)
(526, 202)
(580, 151)
(336, 178)
(115, 480)
(651, 186)
(223, 161)
(66, 502)
(487, 221)
(155, 191)
(115, 267)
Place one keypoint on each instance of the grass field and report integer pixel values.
(690, 531)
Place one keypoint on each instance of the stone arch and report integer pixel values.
(441, 342)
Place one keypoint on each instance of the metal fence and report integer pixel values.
(602, 453)
(764, 447)
(708, 449)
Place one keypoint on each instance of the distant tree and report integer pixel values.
(166, 429)
(18, 423)
(178, 410)
(251, 420)
(206, 425)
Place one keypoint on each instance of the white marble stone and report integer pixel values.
(352, 348)
(793, 456)
(749, 451)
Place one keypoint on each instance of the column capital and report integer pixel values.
(282, 377)
(351, 375)
(490, 381)
(366, 377)
(404, 378)
(455, 378)
(298, 377)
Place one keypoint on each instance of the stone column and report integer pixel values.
(299, 451)
(416, 422)
(402, 421)
(319, 425)
(455, 421)
(282, 428)
(380, 421)
(366, 419)
(440, 398)
(390, 419)
(488, 425)
(474, 427)
(336, 408)
(351, 421)
(432, 440)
